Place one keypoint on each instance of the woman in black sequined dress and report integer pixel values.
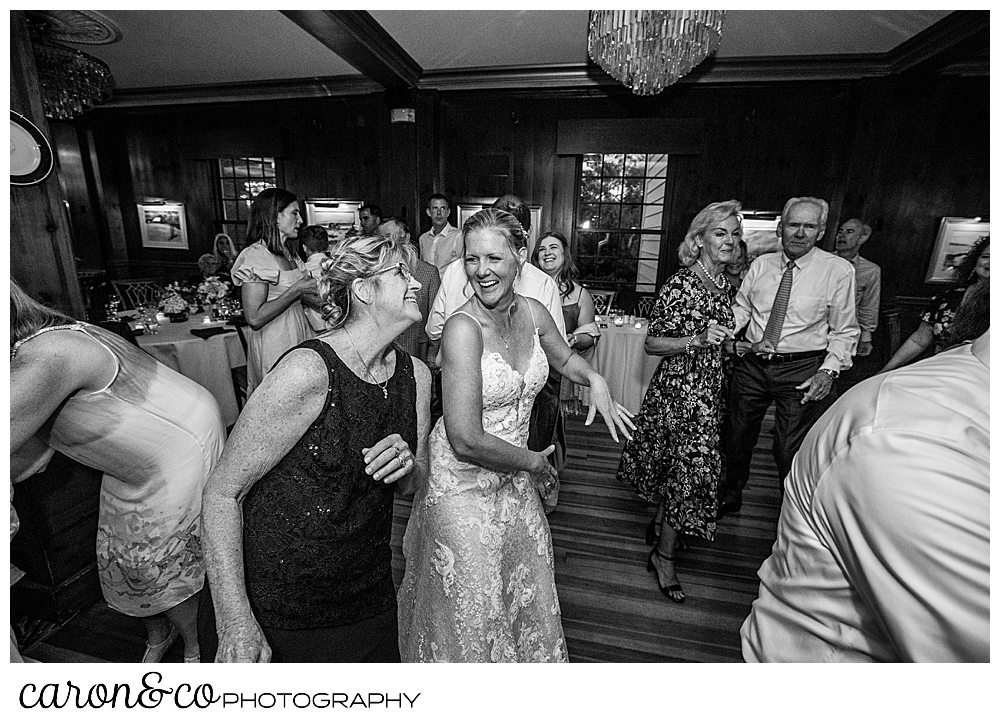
(313, 461)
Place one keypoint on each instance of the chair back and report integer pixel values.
(239, 322)
(645, 306)
(602, 300)
(138, 292)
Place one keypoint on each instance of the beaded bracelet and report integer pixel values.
(687, 347)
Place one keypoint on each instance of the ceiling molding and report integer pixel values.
(973, 67)
(766, 69)
(564, 75)
(713, 70)
(951, 39)
(358, 39)
(956, 45)
(330, 87)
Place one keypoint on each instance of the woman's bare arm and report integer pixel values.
(258, 311)
(276, 416)
(579, 370)
(46, 371)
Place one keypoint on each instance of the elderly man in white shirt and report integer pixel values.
(883, 551)
(443, 243)
(797, 305)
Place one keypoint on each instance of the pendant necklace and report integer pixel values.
(510, 323)
(718, 285)
(384, 386)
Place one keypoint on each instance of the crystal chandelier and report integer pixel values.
(647, 50)
(71, 81)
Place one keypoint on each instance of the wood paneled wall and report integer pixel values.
(900, 152)
(41, 252)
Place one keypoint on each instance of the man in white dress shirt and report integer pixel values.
(797, 352)
(883, 550)
(443, 243)
(867, 279)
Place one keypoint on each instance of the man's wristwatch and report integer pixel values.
(832, 373)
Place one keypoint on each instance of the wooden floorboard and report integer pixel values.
(612, 610)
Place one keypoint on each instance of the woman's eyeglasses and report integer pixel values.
(399, 267)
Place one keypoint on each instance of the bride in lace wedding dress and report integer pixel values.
(479, 583)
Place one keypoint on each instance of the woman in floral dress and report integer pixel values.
(674, 456)
(83, 391)
(971, 276)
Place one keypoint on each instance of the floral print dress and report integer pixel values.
(156, 435)
(940, 314)
(675, 451)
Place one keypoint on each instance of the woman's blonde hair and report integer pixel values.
(356, 257)
(27, 316)
(708, 217)
(224, 259)
(503, 222)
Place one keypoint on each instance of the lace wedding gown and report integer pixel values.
(479, 583)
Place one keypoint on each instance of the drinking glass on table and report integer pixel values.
(111, 308)
(147, 317)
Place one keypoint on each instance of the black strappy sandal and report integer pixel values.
(669, 589)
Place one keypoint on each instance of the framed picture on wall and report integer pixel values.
(466, 211)
(955, 237)
(334, 213)
(163, 226)
(760, 233)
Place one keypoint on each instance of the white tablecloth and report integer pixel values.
(207, 361)
(622, 362)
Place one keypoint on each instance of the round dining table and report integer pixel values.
(619, 357)
(207, 361)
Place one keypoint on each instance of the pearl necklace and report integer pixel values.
(720, 282)
(384, 386)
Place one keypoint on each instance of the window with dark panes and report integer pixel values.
(240, 180)
(619, 220)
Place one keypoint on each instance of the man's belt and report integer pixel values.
(793, 356)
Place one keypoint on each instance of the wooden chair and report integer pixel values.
(645, 306)
(138, 292)
(602, 300)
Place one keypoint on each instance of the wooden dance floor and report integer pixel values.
(612, 610)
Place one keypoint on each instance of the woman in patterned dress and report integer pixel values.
(86, 392)
(972, 275)
(675, 455)
(479, 584)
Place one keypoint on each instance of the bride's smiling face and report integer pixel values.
(491, 265)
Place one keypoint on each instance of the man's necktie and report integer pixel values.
(772, 332)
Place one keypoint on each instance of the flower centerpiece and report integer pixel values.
(175, 300)
(214, 292)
